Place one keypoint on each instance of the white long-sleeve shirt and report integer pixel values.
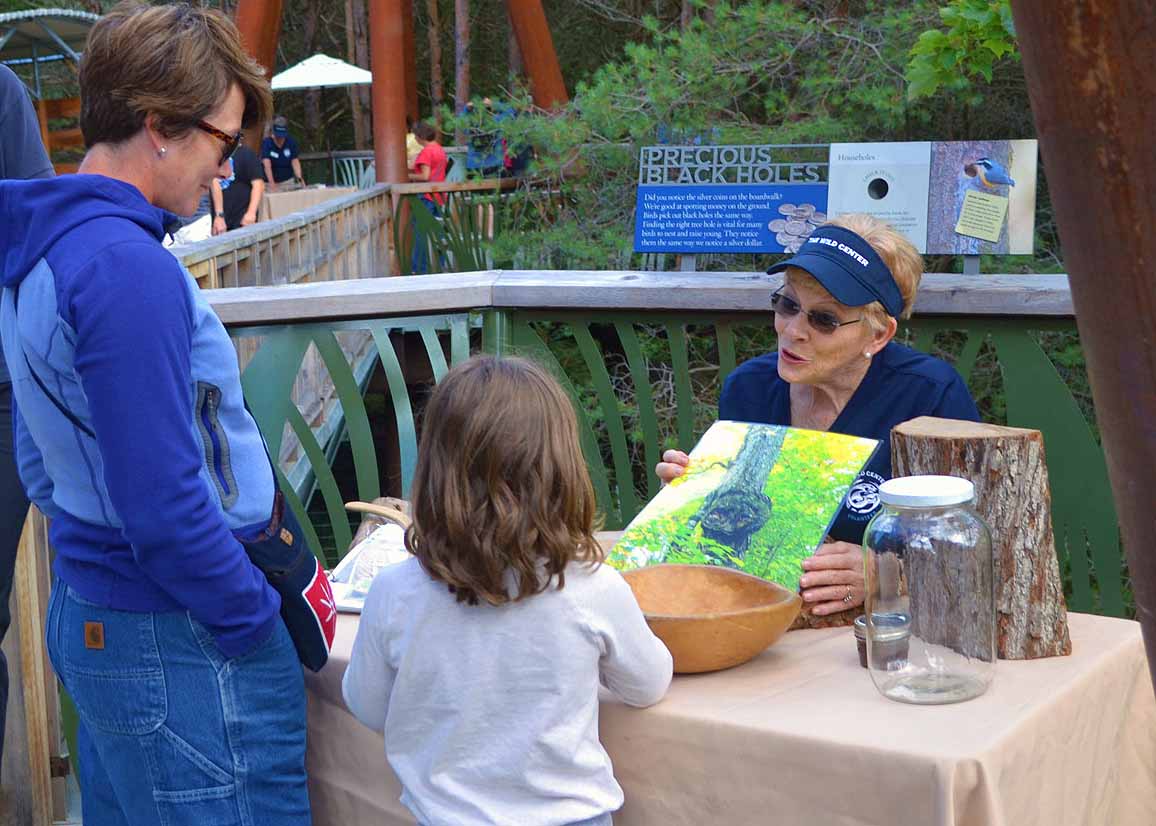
(490, 714)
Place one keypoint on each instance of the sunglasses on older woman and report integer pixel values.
(820, 321)
(231, 142)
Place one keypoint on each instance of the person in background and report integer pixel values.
(237, 198)
(412, 144)
(506, 601)
(280, 156)
(22, 155)
(133, 437)
(838, 369)
(429, 166)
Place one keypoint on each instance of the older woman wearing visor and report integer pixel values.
(837, 368)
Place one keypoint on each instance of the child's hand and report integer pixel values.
(672, 466)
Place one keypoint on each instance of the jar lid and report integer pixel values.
(888, 627)
(926, 491)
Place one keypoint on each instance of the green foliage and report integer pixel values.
(978, 33)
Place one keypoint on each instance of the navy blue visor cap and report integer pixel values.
(848, 268)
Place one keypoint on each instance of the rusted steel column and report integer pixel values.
(259, 22)
(538, 55)
(387, 58)
(1093, 94)
(412, 109)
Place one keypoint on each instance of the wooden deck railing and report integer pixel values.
(638, 351)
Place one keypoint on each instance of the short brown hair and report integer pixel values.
(423, 130)
(899, 254)
(501, 487)
(173, 62)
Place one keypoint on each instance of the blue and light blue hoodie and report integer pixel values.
(145, 512)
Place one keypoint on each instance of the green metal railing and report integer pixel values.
(645, 378)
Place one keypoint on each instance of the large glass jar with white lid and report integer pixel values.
(930, 577)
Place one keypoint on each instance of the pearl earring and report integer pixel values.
(161, 152)
(866, 354)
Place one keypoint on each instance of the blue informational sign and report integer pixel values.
(727, 217)
(736, 199)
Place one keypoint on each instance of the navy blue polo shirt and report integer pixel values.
(900, 384)
(280, 157)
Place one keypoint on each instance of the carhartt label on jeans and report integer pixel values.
(94, 635)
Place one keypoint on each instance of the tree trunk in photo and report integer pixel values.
(735, 510)
(1006, 465)
(436, 84)
(687, 14)
(461, 59)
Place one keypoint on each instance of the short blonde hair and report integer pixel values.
(900, 256)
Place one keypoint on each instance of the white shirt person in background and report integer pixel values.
(481, 658)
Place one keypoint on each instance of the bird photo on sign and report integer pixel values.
(758, 498)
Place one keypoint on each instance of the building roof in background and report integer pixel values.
(46, 34)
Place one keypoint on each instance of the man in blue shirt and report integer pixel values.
(280, 156)
(22, 155)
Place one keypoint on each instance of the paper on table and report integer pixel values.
(350, 580)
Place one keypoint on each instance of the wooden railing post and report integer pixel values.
(1093, 94)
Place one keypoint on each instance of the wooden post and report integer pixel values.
(537, 47)
(1006, 465)
(259, 22)
(1093, 95)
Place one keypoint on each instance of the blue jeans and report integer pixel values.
(173, 733)
(420, 262)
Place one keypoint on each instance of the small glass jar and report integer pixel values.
(930, 575)
(891, 632)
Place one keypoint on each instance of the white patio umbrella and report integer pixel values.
(320, 71)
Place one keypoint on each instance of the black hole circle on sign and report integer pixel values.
(878, 189)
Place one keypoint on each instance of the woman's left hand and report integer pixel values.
(833, 578)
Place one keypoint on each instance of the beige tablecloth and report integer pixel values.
(800, 736)
(279, 204)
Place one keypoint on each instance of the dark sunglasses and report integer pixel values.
(820, 321)
(231, 142)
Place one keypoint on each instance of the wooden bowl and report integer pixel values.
(712, 617)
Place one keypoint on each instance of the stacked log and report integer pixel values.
(1007, 467)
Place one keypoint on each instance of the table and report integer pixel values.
(800, 736)
(279, 204)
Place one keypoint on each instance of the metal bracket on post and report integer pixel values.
(971, 265)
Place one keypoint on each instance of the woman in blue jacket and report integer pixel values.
(838, 369)
(133, 437)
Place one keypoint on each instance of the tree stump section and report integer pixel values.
(1006, 465)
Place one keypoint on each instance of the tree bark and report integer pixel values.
(1006, 465)
(436, 84)
(312, 96)
(357, 52)
(687, 14)
(513, 51)
(461, 59)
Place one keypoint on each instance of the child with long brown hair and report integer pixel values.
(480, 658)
